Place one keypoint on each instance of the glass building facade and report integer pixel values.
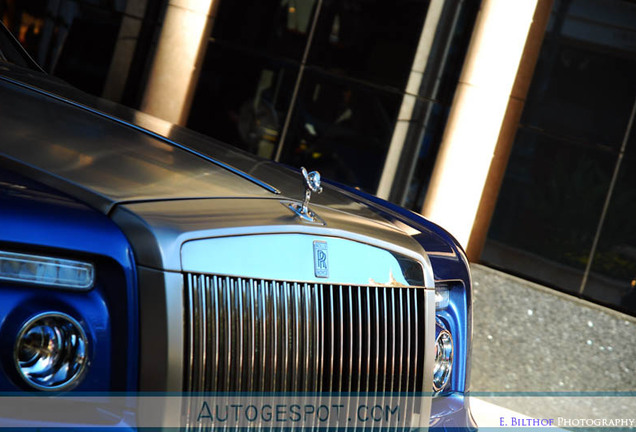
(565, 213)
(321, 83)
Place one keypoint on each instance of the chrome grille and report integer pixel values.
(262, 335)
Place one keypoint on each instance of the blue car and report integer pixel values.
(144, 265)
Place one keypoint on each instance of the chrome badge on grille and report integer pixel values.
(321, 263)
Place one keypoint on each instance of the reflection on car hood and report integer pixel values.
(104, 161)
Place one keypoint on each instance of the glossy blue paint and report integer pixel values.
(451, 413)
(454, 321)
(37, 220)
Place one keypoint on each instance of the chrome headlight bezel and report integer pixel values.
(443, 364)
(61, 359)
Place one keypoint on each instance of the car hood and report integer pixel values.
(102, 160)
(164, 184)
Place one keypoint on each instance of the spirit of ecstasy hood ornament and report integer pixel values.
(312, 184)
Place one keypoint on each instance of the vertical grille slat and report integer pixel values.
(263, 338)
(229, 334)
(259, 335)
(407, 369)
(360, 339)
(332, 341)
(400, 353)
(217, 337)
(285, 324)
(341, 326)
(367, 372)
(416, 318)
(251, 366)
(318, 323)
(385, 319)
(296, 328)
(190, 289)
(274, 331)
(393, 332)
(306, 337)
(320, 331)
(350, 352)
(376, 376)
(203, 340)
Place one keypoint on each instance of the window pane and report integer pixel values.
(275, 27)
(242, 99)
(73, 40)
(548, 209)
(565, 154)
(612, 279)
(582, 95)
(341, 128)
(357, 37)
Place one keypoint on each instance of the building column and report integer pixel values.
(509, 128)
(177, 63)
(124, 49)
(479, 115)
(405, 116)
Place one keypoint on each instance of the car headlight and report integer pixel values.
(51, 352)
(443, 360)
(41, 270)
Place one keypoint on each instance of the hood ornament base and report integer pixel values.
(312, 184)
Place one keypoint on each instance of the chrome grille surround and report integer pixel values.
(257, 319)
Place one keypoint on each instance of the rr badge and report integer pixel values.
(321, 263)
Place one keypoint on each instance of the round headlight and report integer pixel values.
(51, 352)
(443, 360)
